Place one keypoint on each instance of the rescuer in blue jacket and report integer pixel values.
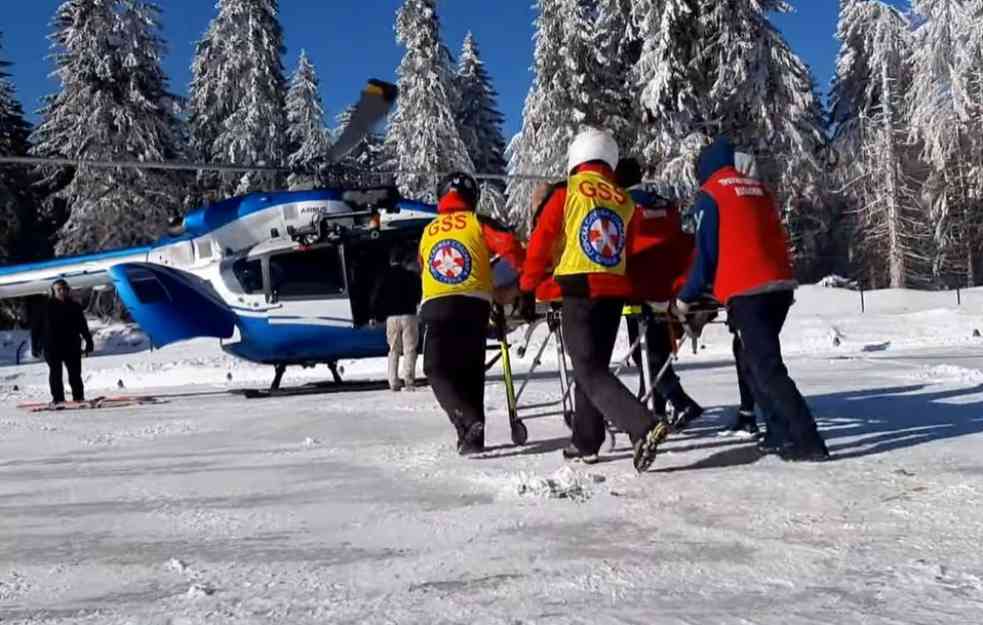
(743, 258)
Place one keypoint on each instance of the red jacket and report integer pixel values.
(658, 268)
(541, 257)
(754, 250)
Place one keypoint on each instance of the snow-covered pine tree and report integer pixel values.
(670, 91)
(307, 134)
(236, 106)
(763, 96)
(14, 182)
(113, 105)
(479, 119)
(873, 74)
(616, 49)
(423, 134)
(940, 102)
(579, 80)
(595, 77)
(541, 144)
(480, 123)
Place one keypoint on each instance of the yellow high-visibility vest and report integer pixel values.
(455, 258)
(596, 217)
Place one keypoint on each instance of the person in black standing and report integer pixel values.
(63, 329)
(394, 301)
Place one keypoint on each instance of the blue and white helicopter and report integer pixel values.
(280, 278)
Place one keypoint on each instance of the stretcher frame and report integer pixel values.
(517, 412)
(565, 406)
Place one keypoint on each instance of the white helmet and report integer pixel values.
(592, 144)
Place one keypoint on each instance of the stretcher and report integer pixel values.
(550, 316)
(518, 412)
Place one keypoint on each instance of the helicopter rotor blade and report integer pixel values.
(134, 164)
(376, 101)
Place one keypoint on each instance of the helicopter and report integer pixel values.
(280, 278)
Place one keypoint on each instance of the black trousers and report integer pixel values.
(454, 363)
(659, 338)
(590, 328)
(747, 396)
(72, 362)
(758, 320)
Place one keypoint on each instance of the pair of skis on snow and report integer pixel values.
(91, 404)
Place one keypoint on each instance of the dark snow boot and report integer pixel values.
(814, 450)
(746, 423)
(771, 445)
(570, 452)
(473, 441)
(647, 446)
(686, 412)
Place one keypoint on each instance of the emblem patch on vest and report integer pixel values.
(450, 262)
(602, 237)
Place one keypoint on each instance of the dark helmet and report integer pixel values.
(628, 173)
(463, 184)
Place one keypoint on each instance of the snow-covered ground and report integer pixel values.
(354, 508)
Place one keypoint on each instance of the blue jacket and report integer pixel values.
(706, 213)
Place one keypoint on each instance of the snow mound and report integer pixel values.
(837, 282)
(198, 591)
(949, 373)
(563, 484)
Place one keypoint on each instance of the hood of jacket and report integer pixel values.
(713, 158)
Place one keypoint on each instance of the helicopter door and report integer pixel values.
(310, 287)
(367, 260)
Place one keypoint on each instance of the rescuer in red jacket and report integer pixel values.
(662, 253)
(455, 261)
(595, 220)
(743, 257)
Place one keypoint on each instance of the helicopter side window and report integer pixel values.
(307, 274)
(249, 273)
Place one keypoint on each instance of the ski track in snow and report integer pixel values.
(354, 508)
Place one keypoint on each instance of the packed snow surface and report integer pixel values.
(354, 508)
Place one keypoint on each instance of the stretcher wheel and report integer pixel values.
(568, 419)
(520, 434)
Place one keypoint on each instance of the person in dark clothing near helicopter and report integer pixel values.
(63, 329)
(394, 301)
(455, 257)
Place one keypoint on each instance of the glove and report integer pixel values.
(89, 347)
(525, 306)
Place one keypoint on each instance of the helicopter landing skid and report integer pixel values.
(316, 388)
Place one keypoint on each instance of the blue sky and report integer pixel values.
(352, 40)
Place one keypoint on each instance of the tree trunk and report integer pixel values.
(896, 259)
